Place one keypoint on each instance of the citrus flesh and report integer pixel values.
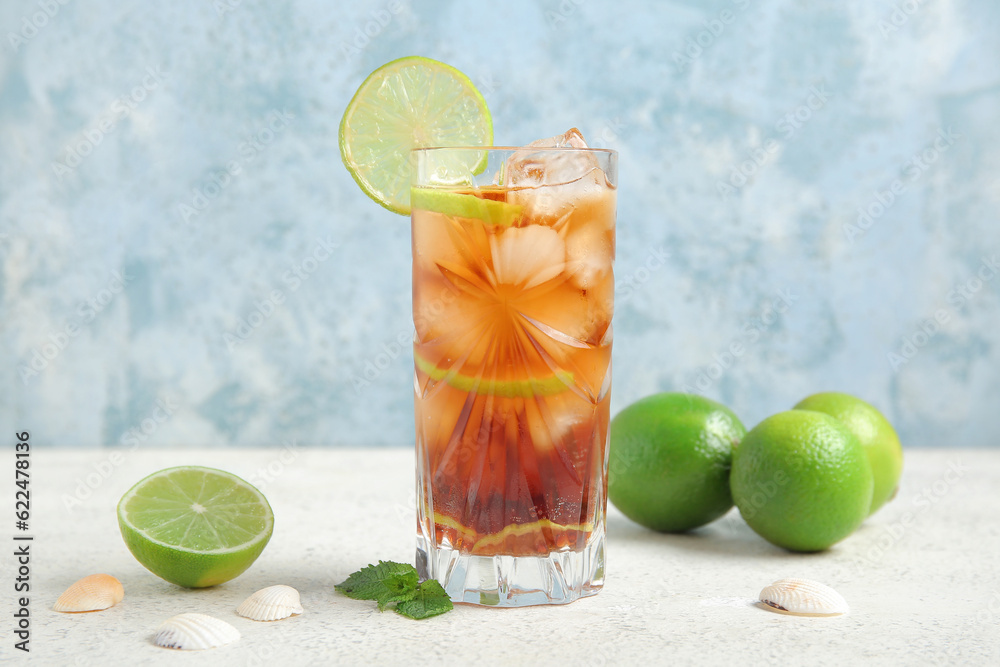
(875, 433)
(195, 526)
(412, 102)
(802, 480)
(463, 205)
(529, 387)
(669, 461)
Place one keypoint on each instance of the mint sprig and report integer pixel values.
(385, 583)
(398, 584)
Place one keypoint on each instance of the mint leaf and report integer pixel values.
(430, 600)
(390, 582)
(386, 582)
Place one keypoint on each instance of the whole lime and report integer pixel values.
(668, 466)
(802, 480)
(875, 433)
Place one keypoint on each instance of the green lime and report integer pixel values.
(875, 433)
(413, 102)
(463, 205)
(802, 480)
(668, 465)
(526, 388)
(194, 526)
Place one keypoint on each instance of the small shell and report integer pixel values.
(193, 632)
(93, 593)
(803, 597)
(271, 604)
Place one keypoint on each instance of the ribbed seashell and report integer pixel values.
(193, 632)
(271, 604)
(803, 597)
(93, 593)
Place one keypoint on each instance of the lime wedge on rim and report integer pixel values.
(413, 102)
(195, 526)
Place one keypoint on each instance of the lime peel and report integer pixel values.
(669, 460)
(553, 384)
(802, 480)
(873, 430)
(464, 205)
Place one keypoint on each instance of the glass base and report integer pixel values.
(515, 581)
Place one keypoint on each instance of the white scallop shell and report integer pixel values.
(194, 632)
(271, 604)
(803, 597)
(93, 593)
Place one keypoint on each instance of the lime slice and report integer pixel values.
(527, 388)
(463, 205)
(194, 526)
(413, 102)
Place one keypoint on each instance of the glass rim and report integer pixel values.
(511, 149)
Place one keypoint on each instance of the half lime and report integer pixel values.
(194, 526)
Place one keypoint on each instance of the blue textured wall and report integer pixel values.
(810, 199)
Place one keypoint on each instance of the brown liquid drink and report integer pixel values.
(513, 294)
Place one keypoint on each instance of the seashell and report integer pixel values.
(803, 597)
(93, 593)
(271, 604)
(192, 632)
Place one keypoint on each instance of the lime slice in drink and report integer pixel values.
(463, 205)
(194, 526)
(526, 388)
(413, 102)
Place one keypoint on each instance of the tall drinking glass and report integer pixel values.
(513, 293)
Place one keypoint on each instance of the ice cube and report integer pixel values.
(552, 421)
(548, 184)
(527, 256)
(528, 168)
(589, 252)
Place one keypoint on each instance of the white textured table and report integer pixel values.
(922, 576)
